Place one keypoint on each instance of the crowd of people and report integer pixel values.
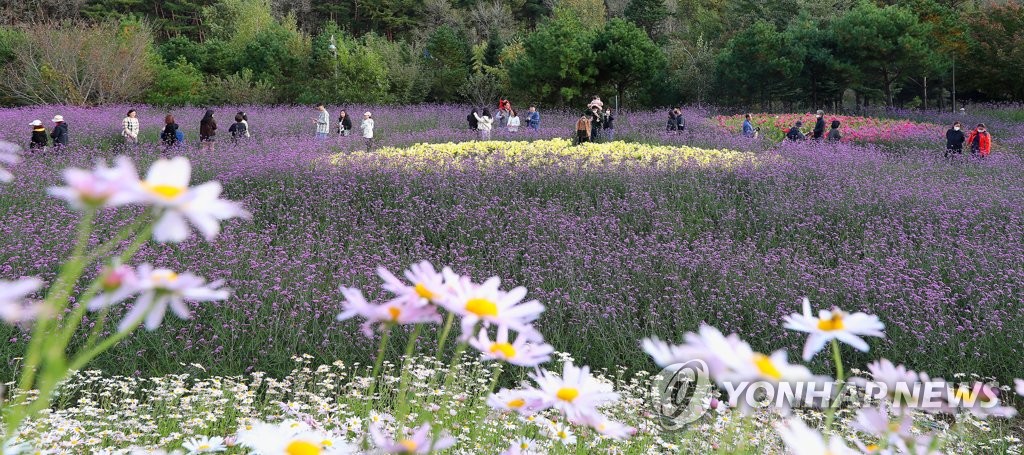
(979, 139)
(596, 124)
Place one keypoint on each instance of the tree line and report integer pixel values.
(768, 54)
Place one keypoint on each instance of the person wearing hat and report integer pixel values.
(367, 127)
(794, 133)
(60, 132)
(819, 125)
(39, 140)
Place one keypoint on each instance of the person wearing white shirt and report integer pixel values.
(323, 122)
(367, 127)
(484, 124)
(130, 127)
(513, 122)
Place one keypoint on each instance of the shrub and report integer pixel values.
(178, 83)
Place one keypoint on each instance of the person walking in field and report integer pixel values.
(367, 127)
(583, 129)
(513, 122)
(39, 140)
(238, 129)
(344, 124)
(748, 128)
(981, 141)
(323, 122)
(472, 121)
(834, 135)
(955, 139)
(245, 120)
(207, 131)
(484, 124)
(819, 126)
(130, 127)
(169, 135)
(609, 126)
(60, 132)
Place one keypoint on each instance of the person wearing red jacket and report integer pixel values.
(980, 141)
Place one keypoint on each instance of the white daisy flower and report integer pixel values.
(427, 285)
(801, 440)
(523, 446)
(524, 402)
(560, 431)
(393, 312)
(520, 352)
(576, 393)
(204, 444)
(166, 187)
(835, 324)
(9, 155)
(490, 305)
(420, 441)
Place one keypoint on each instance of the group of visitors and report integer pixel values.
(40, 140)
(818, 133)
(980, 141)
(171, 135)
(597, 124)
(504, 117)
(344, 125)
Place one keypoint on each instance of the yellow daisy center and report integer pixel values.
(409, 444)
(766, 367)
(302, 448)
(422, 291)
(516, 403)
(829, 325)
(567, 394)
(524, 446)
(894, 427)
(327, 443)
(394, 312)
(481, 307)
(562, 434)
(165, 275)
(204, 447)
(164, 191)
(506, 350)
(872, 448)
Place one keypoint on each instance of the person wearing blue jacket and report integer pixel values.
(533, 119)
(748, 128)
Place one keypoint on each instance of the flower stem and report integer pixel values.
(380, 359)
(837, 357)
(453, 368)
(448, 321)
(401, 407)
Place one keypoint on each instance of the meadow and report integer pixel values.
(649, 237)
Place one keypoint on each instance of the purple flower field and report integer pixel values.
(617, 253)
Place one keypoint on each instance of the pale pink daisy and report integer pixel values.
(834, 324)
(609, 428)
(876, 422)
(521, 352)
(420, 441)
(696, 346)
(9, 155)
(425, 284)
(13, 307)
(159, 289)
(393, 312)
(118, 282)
(102, 187)
(1019, 386)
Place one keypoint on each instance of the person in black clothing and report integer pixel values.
(672, 125)
(680, 120)
(207, 130)
(344, 123)
(237, 129)
(834, 135)
(471, 119)
(169, 135)
(609, 126)
(819, 126)
(596, 124)
(794, 133)
(39, 139)
(60, 132)
(955, 139)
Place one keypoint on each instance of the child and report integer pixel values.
(238, 129)
(39, 138)
(833, 134)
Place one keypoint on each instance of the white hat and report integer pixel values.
(36, 123)
(367, 114)
(58, 118)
